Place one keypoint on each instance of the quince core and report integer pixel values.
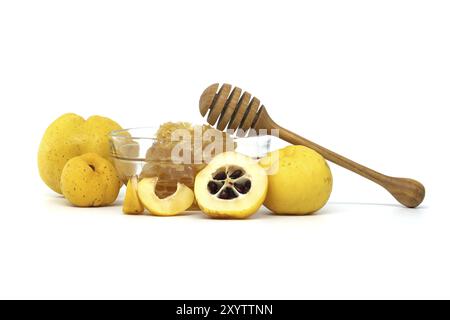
(232, 186)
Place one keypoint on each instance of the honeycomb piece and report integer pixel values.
(159, 162)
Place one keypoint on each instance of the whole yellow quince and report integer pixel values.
(69, 136)
(90, 181)
(300, 180)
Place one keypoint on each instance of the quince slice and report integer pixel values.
(132, 204)
(172, 205)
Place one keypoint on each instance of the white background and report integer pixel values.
(368, 79)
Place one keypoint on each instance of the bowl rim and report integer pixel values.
(116, 134)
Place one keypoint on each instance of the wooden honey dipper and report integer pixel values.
(232, 109)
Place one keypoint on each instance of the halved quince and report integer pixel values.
(172, 205)
(231, 186)
(132, 204)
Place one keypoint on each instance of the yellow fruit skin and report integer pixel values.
(90, 181)
(132, 204)
(60, 143)
(70, 136)
(96, 130)
(301, 185)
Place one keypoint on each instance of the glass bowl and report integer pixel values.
(137, 152)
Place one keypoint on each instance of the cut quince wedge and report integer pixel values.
(232, 186)
(172, 205)
(132, 204)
